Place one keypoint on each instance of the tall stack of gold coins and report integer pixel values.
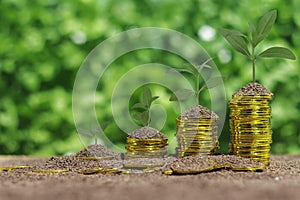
(251, 133)
(197, 132)
(146, 142)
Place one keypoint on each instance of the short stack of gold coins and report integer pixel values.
(250, 122)
(146, 142)
(196, 136)
(146, 148)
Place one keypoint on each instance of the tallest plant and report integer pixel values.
(250, 110)
(241, 42)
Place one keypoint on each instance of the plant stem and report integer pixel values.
(149, 120)
(197, 88)
(253, 65)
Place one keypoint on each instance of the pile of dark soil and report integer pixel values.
(147, 133)
(97, 150)
(199, 111)
(253, 89)
(74, 164)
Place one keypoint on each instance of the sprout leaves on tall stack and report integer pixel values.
(251, 133)
(196, 127)
(239, 41)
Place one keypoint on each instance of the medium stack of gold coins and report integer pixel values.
(196, 136)
(251, 133)
(146, 148)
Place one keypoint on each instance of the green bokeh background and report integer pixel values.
(44, 42)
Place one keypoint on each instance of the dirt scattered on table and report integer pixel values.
(147, 133)
(280, 180)
(199, 111)
(148, 162)
(191, 165)
(200, 164)
(233, 162)
(253, 89)
(74, 164)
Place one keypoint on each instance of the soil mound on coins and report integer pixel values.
(199, 111)
(253, 89)
(147, 133)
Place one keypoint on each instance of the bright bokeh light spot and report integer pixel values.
(78, 37)
(206, 33)
(224, 56)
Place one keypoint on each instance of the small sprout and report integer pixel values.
(195, 71)
(142, 108)
(240, 41)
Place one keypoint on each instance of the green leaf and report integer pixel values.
(154, 98)
(181, 70)
(139, 106)
(173, 97)
(146, 97)
(105, 125)
(236, 40)
(264, 26)
(204, 65)
(181, 95)
(277, 52)
(253, 33)
(235, 32)
(142, 117)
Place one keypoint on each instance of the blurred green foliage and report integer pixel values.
(43, 43)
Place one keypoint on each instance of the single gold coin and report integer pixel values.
(112, 171)
(190, 171)
(148, 170)
(6, 168)
(168, 172)
(251, 97)
(141, 166)
(253, 169)
(50, 170)
(125, 171)
(145, 147)
(92, 171)
(14, 168)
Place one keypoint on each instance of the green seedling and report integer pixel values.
(142, 108)
(240, 42)
(195, 72)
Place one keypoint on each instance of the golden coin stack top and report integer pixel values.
(146, 142)
(197, 132)
(251, 133)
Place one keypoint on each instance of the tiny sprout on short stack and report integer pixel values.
(142, 108)
(145, 142)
